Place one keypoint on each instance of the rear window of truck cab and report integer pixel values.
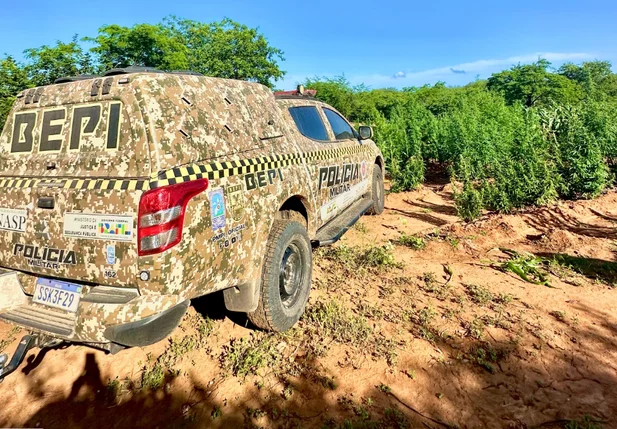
(309, 122)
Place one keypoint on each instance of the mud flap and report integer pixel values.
(11, 294)
(243, 298)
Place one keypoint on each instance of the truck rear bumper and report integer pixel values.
(105, 315)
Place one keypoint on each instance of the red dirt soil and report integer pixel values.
(468, 344)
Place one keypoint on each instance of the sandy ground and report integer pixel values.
(444, 338)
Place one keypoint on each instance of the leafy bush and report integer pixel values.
(527, 136)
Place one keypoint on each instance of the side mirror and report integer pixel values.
(365, 132)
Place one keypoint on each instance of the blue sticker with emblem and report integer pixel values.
(217, 209)
(111, 254)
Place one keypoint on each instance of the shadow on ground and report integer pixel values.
(554, 219)
(514, 394)
(594, 269)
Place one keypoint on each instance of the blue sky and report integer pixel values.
(380, 43)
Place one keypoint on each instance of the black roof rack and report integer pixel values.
(189, 72)
(66, 79)
(131, 69)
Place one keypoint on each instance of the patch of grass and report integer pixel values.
(333, 320)
(112, 390)
(246, 356)
(475, 328)
(327, 382)
(361, 227)
(479, 294)
(178, 348)
(370, 311)
(153, 378)
(496, 321)
(429, 279)
(379, 257)
(155, 372)
(361, 411)
(414, 242)
(423, 319)
(559, 315)
(394, 418)
(255, 413)
(216, 412)
(343, 253)
(203, 325)
(385, 290)
(431, 285)
(288, 392)
(385, 348)
(503, 298)
(355, 258)
(585, 423)
(486, 356)
(384, 388)
(426, 315)
(453, 241)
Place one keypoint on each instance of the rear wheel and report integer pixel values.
(377, 192)
(285, 278)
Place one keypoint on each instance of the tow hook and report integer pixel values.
(26, 343)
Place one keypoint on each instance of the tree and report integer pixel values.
(143, 44)
(228, 49)
(533, 84)
(335, 91)
(595, 77)
(594, 71)
(48, 63)
(222, 49)
(13, 79)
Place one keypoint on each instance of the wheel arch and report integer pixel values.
(297, 204)
(381, 163)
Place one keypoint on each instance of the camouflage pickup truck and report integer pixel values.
(124, 196)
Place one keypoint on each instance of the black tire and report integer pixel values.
(285, 277)
(377, 192)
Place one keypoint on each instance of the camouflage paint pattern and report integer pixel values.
(172, 128)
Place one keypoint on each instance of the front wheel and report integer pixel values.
(377, 192)
(285, 278)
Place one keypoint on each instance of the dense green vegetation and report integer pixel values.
(525, 136)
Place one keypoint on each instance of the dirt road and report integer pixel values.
(415, 320)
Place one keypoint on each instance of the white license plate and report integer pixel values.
(57, 294)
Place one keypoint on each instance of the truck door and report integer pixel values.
(347, 179)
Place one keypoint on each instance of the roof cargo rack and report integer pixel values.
(131, 69)
(66, 79)
(189, 72)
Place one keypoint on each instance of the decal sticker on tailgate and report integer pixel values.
(13, 219)
(98, 226)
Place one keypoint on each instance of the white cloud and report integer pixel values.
(481, 67)
(451, 74)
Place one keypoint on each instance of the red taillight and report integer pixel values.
(161, 215)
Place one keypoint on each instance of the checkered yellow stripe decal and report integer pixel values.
(186, 173)
(79, 184)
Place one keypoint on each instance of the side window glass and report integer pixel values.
(342, 130)
(309, 122)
